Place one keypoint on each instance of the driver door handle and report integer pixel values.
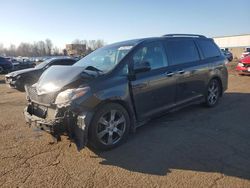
(140, 86)
(169, 74)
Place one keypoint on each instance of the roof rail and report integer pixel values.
(184, 35)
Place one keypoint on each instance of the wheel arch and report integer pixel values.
(124, 104)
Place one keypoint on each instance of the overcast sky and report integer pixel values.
(115, 20)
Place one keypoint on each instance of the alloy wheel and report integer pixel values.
(111, 127)
(213, 92)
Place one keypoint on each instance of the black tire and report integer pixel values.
(103, 125)
(213, 93)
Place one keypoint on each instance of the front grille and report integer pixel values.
(38, 110)
(46, 99)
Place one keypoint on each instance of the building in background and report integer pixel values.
(76, 49)
(236, 44)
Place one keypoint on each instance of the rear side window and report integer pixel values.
(208, 48)
(181, 51)
(63, 62)
(69, 62)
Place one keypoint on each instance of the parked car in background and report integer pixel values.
(18, 79)
(40, 59)
(15, 64)
(246, 52)
(5, 65)
(243, 66)
(228, 54)
(119, 87)
(19, 65)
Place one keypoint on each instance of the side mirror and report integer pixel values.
(142, 67)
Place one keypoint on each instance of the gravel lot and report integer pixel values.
(194, 147)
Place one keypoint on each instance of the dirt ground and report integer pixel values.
(196, 147)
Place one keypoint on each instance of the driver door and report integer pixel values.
(154, 90)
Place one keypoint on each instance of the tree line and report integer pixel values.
(45, 48)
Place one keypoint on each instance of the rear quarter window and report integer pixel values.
(69, 62)
(63, 62)
(209, 49)
(181, 51)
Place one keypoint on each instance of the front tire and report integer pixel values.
(213, 93)
(109, 127)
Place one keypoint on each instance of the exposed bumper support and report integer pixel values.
(71, 124)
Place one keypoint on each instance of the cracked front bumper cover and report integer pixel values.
(75, 126)
(40, 123)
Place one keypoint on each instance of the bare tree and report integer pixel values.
(41, 48)
(76, 41)
(35, 49)
(55, 51)
(94, 44)
(11, 51)
(48, 46)
(1, 49)
(24, 49)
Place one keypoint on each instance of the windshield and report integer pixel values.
(43, 64)
(104, 59)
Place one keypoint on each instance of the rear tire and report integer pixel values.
(213, 93)
(109, 127)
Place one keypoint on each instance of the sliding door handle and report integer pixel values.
(140, 86)
(181, 72)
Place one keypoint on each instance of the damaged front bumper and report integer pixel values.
(59, 121)
(11, 82)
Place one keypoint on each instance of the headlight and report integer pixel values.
(241, 64)
(68, 95)
(47, 88)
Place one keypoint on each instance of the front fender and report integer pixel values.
(86, 106)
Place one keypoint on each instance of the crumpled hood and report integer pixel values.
(57, 77)
(19, 72)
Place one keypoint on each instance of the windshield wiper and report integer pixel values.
(91, 68)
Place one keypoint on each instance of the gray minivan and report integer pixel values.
(119, 87)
